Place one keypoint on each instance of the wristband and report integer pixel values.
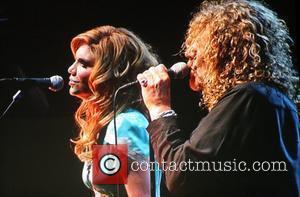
(166, 114)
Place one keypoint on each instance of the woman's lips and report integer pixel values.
(72, 82)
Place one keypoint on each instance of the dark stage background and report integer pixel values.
(36, 155)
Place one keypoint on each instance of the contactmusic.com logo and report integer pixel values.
(110, 164)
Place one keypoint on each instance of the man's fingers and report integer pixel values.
(142, 80)
(153, 76)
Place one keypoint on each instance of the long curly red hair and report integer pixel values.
(245, 41)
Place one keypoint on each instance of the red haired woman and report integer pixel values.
(106, 58)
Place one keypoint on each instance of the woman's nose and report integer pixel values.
(72, 69)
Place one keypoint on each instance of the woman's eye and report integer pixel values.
(83, 65)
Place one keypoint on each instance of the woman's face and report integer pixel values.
(80, 71)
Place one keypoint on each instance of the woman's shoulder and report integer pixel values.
(130, 129)
(131, 123)
(131, 117)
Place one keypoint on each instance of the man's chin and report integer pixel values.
(194, 86)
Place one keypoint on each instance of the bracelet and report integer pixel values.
(165, 114)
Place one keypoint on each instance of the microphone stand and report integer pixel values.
(17, 96)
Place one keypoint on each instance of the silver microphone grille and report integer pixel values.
(57, 82)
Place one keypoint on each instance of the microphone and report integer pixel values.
(54, 83)
(179, 70)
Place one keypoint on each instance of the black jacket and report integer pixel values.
(247, 145)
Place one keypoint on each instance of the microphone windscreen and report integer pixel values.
(57, 82)
(179, 70)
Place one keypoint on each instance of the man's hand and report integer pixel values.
(155, 85)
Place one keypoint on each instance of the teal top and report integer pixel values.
(131, 130)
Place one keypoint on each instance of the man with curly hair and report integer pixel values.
(239, 55)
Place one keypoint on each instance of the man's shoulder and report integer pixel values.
(260, 92)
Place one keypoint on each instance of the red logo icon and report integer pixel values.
(110, 164)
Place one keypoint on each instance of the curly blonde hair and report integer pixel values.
(119, 56)
(246, 42)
